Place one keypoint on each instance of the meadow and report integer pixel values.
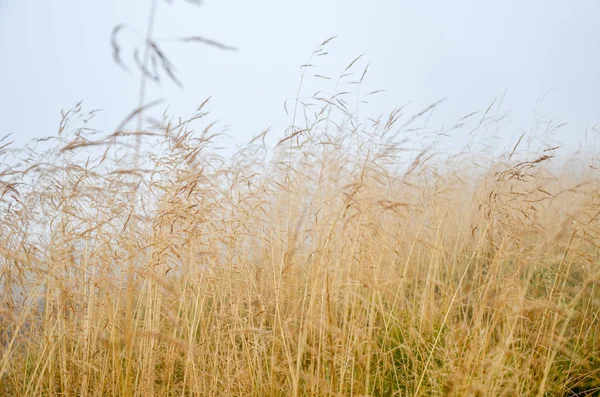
(352, 257)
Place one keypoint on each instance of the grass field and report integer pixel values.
(346, 260)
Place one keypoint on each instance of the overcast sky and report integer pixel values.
(54, 53)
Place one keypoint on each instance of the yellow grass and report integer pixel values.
(339, 263)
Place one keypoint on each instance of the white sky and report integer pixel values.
(54, 53)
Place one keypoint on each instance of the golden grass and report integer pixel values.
(340, 263)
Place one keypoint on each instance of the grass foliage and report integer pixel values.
(351, 258)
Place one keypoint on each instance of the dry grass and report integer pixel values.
(339, 263)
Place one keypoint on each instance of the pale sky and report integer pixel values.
(54, 53)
